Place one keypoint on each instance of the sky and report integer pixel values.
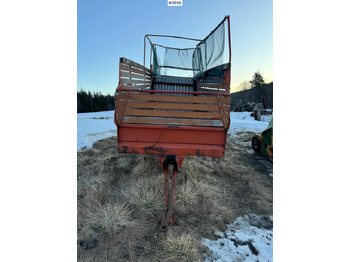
(109, 29)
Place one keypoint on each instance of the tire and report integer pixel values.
(256, 144)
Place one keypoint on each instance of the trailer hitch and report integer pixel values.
(167, 218)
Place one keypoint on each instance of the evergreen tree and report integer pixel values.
(258, 83)
(257, 80)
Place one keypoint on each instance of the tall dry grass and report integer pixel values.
(120, 201)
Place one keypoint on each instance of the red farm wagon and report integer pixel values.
(179, 106)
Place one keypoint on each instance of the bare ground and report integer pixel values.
(120, 201)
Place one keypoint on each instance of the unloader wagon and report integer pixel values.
(179, 106)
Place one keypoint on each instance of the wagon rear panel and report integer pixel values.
(167, 124)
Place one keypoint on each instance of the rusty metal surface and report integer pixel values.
(190, 135)
(177, 149)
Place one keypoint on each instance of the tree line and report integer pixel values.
(253, 91)
(94, 102)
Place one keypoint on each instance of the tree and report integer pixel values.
(243, 86)
(257, 80)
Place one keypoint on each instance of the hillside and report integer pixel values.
(253, 95)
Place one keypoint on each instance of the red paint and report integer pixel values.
(163, 149)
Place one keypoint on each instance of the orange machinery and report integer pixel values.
(163, 111)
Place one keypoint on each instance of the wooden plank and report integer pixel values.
(134, 86)
(133, 81)
(134, 64)
(194, 107)
(118, 106)
(171, 121)
(131, 75)
(222, 113)
(121, 110)
(166, 113)
(203, 89)
(172, 98)
(132, 69)
(211, 79)
(213, 85)
(157, 105)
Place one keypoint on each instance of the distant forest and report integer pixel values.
(94, 102)
(254, 94)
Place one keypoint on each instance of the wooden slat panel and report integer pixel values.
(134, 64)
(133, 81)
(171, 121)
(166, 113)
(126, 74)
(169, 98)
(132, 69)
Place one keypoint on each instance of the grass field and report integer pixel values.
(120, 201)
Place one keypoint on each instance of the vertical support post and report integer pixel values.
(167, 218)
(166, 185)
(121, 112)
(229, 50)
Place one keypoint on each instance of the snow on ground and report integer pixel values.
(100, 125)
(248, 238)
(242, 122)
(94, 126)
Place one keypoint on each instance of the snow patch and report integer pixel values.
(99, 125)
(243, 121)
(94, 126)
(248, 238)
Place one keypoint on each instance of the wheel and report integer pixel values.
(256, 144)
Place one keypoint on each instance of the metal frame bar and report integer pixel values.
(171, 36)
(187, 38)
(173, 92)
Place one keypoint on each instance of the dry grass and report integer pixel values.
(109, 218)
(120, 201)
(182, 247)
(144, 194)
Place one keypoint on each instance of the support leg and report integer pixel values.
(169, 193)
